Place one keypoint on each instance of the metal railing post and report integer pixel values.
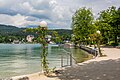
(61, 60)
(70, 60)
(67, 59)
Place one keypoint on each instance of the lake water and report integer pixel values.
(20, 59)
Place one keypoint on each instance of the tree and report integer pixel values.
(110, 22)
(55, 37)
(96, 38)
(115, 23)
(82, 24)
(1, 39)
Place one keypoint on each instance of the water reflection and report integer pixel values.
(19, 59)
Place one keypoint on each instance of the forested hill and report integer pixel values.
(15, 31)
(63, 31)
(10, 30)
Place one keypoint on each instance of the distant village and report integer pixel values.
(30, 39)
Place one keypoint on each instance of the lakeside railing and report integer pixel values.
(89, 50)
(70, 60)
(67, 59)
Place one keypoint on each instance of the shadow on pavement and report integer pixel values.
(103, 70)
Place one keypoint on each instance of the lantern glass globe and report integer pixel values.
(43, 24)
(98, 32)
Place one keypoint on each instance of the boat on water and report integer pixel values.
(16, 42)
(54, 45)
(68, 45)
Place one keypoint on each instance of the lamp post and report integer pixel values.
(43, 31)
(98, 41)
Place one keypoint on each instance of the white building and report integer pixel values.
(16, 42)
(48, 37)
(29, 38)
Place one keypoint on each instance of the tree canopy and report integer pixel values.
(82, 24)
(110, 23)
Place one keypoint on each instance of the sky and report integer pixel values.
(57, 13)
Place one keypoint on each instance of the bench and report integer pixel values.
(118, 47)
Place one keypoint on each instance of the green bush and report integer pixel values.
(114, 44)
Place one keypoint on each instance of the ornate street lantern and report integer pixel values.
(43, 31)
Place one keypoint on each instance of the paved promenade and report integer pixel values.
(100, 68)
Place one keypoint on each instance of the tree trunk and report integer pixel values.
(108, 41)
(99, 51)
(115, 40)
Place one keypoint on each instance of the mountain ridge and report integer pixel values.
(13, 30)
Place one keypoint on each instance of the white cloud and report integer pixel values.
(56, 12)
(17, 20)
(5, 19)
